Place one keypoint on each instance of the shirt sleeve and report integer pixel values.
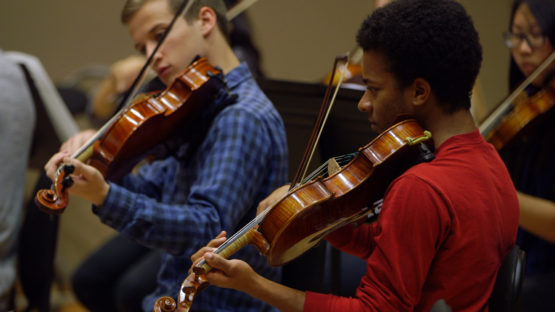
(410, 229)
(230, 166)
(357, 241)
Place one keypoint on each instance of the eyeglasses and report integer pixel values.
(534, 41)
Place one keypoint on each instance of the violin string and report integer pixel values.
(320, 171)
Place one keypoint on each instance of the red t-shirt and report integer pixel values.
(444, 229)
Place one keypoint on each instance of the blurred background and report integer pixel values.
(298, 39)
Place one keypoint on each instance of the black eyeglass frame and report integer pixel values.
(513, 40)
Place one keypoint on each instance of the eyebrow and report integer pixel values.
(528, 26)
(368, 80)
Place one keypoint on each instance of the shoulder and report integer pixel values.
(419, 192)
(251, 107)
(250, 97)
(249, 94)
(416, 183)
(413, 203)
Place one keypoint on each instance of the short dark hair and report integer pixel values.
(430, 39)
(544, 12)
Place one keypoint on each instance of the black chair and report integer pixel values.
(506, 295)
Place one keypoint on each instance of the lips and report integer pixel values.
(373, 125)
(163, 71)
(528, 68)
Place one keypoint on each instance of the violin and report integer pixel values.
(121, 143)
(323, 203)
(519, 111)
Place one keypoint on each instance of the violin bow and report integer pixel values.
(325, 109)
(491, 121)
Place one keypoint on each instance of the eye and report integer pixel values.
(372, 90)
(141, 49)
(537, 35)
(159, 35)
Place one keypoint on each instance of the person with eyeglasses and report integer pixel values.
(531, 159)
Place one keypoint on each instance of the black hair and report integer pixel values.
(430, 39)
(544, 12)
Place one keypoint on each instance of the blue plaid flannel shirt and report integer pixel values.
(180, 203)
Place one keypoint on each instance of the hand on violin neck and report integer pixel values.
(54, 163)
(77, 141)
(210, 247)
(235, 274)
(275, 196)
(88, 182)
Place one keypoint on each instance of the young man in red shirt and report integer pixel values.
(445, 225)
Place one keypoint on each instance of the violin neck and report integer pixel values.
(85, 151)
(248, 235)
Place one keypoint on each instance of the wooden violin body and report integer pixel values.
(525, 111)
(153, 120)
(299, 220)
(138, 129)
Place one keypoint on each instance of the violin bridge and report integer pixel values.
(333, 167)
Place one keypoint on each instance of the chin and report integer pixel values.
(166, 81)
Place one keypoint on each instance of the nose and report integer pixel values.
(364, 104)
(149, 49)
(524, 47)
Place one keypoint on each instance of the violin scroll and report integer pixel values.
(164, 304)
(194, 283)
(55, 200)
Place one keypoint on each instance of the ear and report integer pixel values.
(421, 91)
(208, 19)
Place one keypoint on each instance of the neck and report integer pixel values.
(443, 125)
(220, 53)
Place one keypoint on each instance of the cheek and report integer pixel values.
(516, 55)
(546, 51)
